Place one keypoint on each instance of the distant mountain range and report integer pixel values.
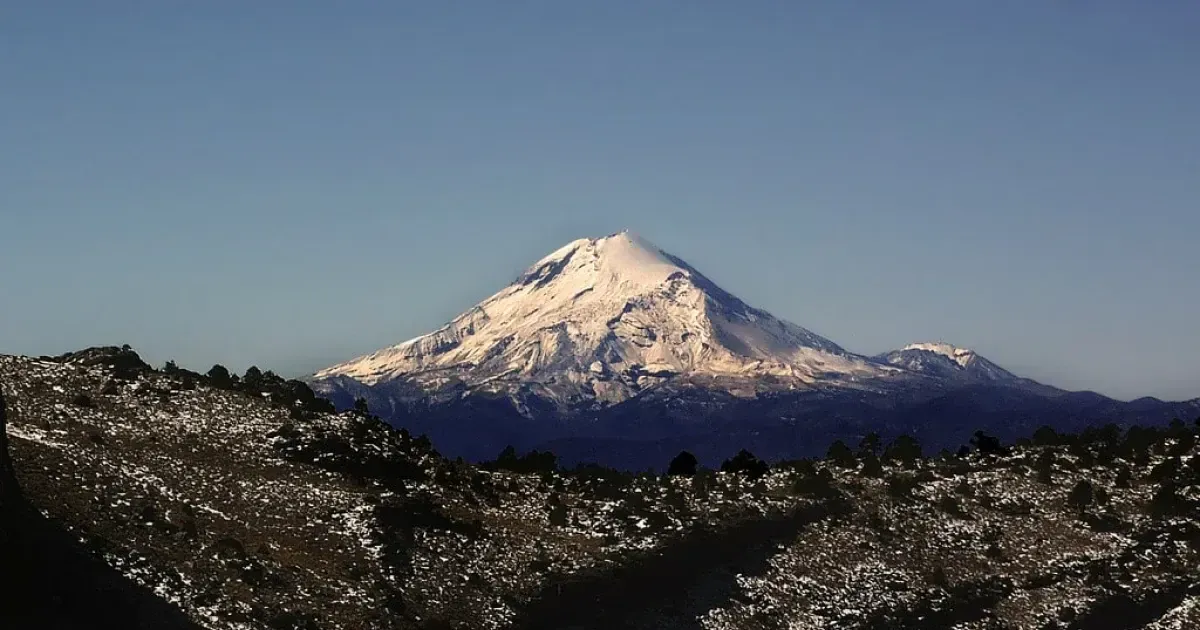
(612, 350)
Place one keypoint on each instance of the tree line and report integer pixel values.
(1103, 444)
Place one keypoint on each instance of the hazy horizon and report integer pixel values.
(239, 184)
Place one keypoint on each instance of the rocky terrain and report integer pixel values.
(134, 497)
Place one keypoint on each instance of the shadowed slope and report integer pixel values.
(672, 588)
(53, 583)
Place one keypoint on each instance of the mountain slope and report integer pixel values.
(52, 581)
(600, 320)
(243, 511)
(228, 509)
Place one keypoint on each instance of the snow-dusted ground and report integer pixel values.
(245, 517)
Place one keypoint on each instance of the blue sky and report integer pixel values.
(292, 184)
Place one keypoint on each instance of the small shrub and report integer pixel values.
(987, 444)
(937, 577)
(1124, 478)
(1168, 469)
(1043, 466)
(1081, 496)
(558, 515)
(951, 505)
(1167, 501)
(871, 466)
(819, 484)
(902, 486)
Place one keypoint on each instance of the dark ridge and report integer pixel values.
(53, 583)
(1134, 610)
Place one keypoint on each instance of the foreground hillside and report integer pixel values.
(257, 509)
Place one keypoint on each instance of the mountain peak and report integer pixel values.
(938, 358)
(603, 318)
(629, 255)
(623, 256)
(960, 356)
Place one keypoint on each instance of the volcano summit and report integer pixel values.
(615, 339)
(603, 319)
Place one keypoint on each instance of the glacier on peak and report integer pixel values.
(602, 319)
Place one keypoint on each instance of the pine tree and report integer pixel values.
(841, 455)
(1046, 436)
(684, 465)
(220, 377)
(904, 449)
(253, 379)
(1044, 466)
(1124, 478)
(745, 462)
(871, 466)
(870, 444)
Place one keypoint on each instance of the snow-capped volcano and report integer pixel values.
(941, 359)
(602, 319)
(611, 350)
